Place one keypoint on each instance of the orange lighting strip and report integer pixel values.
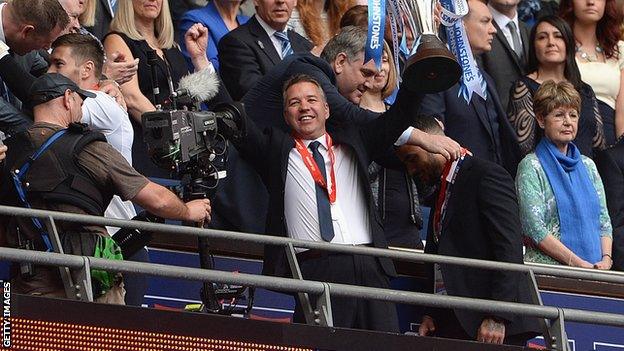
(33, 335)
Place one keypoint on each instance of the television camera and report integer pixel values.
(192, 145)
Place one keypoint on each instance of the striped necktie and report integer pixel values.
(286, 48)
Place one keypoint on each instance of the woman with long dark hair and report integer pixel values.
(552, 57)
(596, 25)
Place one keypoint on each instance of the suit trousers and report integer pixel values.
(447, 326)
(353, 270)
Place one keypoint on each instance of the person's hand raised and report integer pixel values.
(196, 40)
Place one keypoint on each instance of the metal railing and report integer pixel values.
(554, 334)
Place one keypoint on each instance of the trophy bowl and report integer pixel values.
(432, 68)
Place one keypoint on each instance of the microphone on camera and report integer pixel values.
(200, 86)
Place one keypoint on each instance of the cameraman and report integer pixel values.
(78, 173)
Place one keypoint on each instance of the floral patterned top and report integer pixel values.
(538, 209)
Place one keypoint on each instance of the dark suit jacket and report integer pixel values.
(268, 154)
(103, 18)
(12, 119)
(470, 126)
(610, 164)
(482, 222)
(247, 53)
(502, 63)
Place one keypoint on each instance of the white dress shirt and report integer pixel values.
(103, 114)
(350, 216)
(502, 21)
(270, 31)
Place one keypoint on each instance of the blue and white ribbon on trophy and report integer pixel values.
(471, 80)
(396, 20)
(376, 27)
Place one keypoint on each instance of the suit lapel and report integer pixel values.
(262, 40)
(287, 145)
(106, 5)
(524, 36)
(454, 202)
(501, 37)
(297, 44)
(480, 109)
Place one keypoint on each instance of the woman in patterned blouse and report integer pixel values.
(561, 197)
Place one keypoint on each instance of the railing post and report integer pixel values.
(537, 300)
(304, 298)
(71, 289)
(558, 333)
(323, 310)
(83, 289)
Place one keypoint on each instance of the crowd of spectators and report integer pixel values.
(331, 148)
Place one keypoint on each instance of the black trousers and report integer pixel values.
(352, 270)
(447, 326)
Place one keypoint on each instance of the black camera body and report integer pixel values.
(176, 136)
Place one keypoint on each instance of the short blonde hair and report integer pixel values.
(551, 95)
(123, 22)
(391, 84)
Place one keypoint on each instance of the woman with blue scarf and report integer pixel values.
(562, 201)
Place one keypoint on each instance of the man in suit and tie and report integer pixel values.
(241, 203)
(481, 125)
(249, 51)
(506, 62)
(27, 26)
(474, 215)
(317, 179)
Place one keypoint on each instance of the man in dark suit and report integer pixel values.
(27, 26)
(475, 215)
(318, 188)
(480, 125)
(506, 62)
(249, 51)
(610, 164)
(241, 202)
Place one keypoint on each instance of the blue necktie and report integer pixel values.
(286, 48)
(322, 201)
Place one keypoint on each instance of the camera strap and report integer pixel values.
(18, 176)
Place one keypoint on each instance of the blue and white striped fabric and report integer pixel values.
(286, 47)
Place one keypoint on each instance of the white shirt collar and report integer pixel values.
(501, 19)
(268, 29)
(1, 24)
(322, 139)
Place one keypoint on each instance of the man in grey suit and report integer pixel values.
(506, 62)
(27, 26)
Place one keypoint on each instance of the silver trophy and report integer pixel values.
(432, 68)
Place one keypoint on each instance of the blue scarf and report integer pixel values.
(576, 198)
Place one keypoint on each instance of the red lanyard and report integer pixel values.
(319, 178)
(445, 193)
